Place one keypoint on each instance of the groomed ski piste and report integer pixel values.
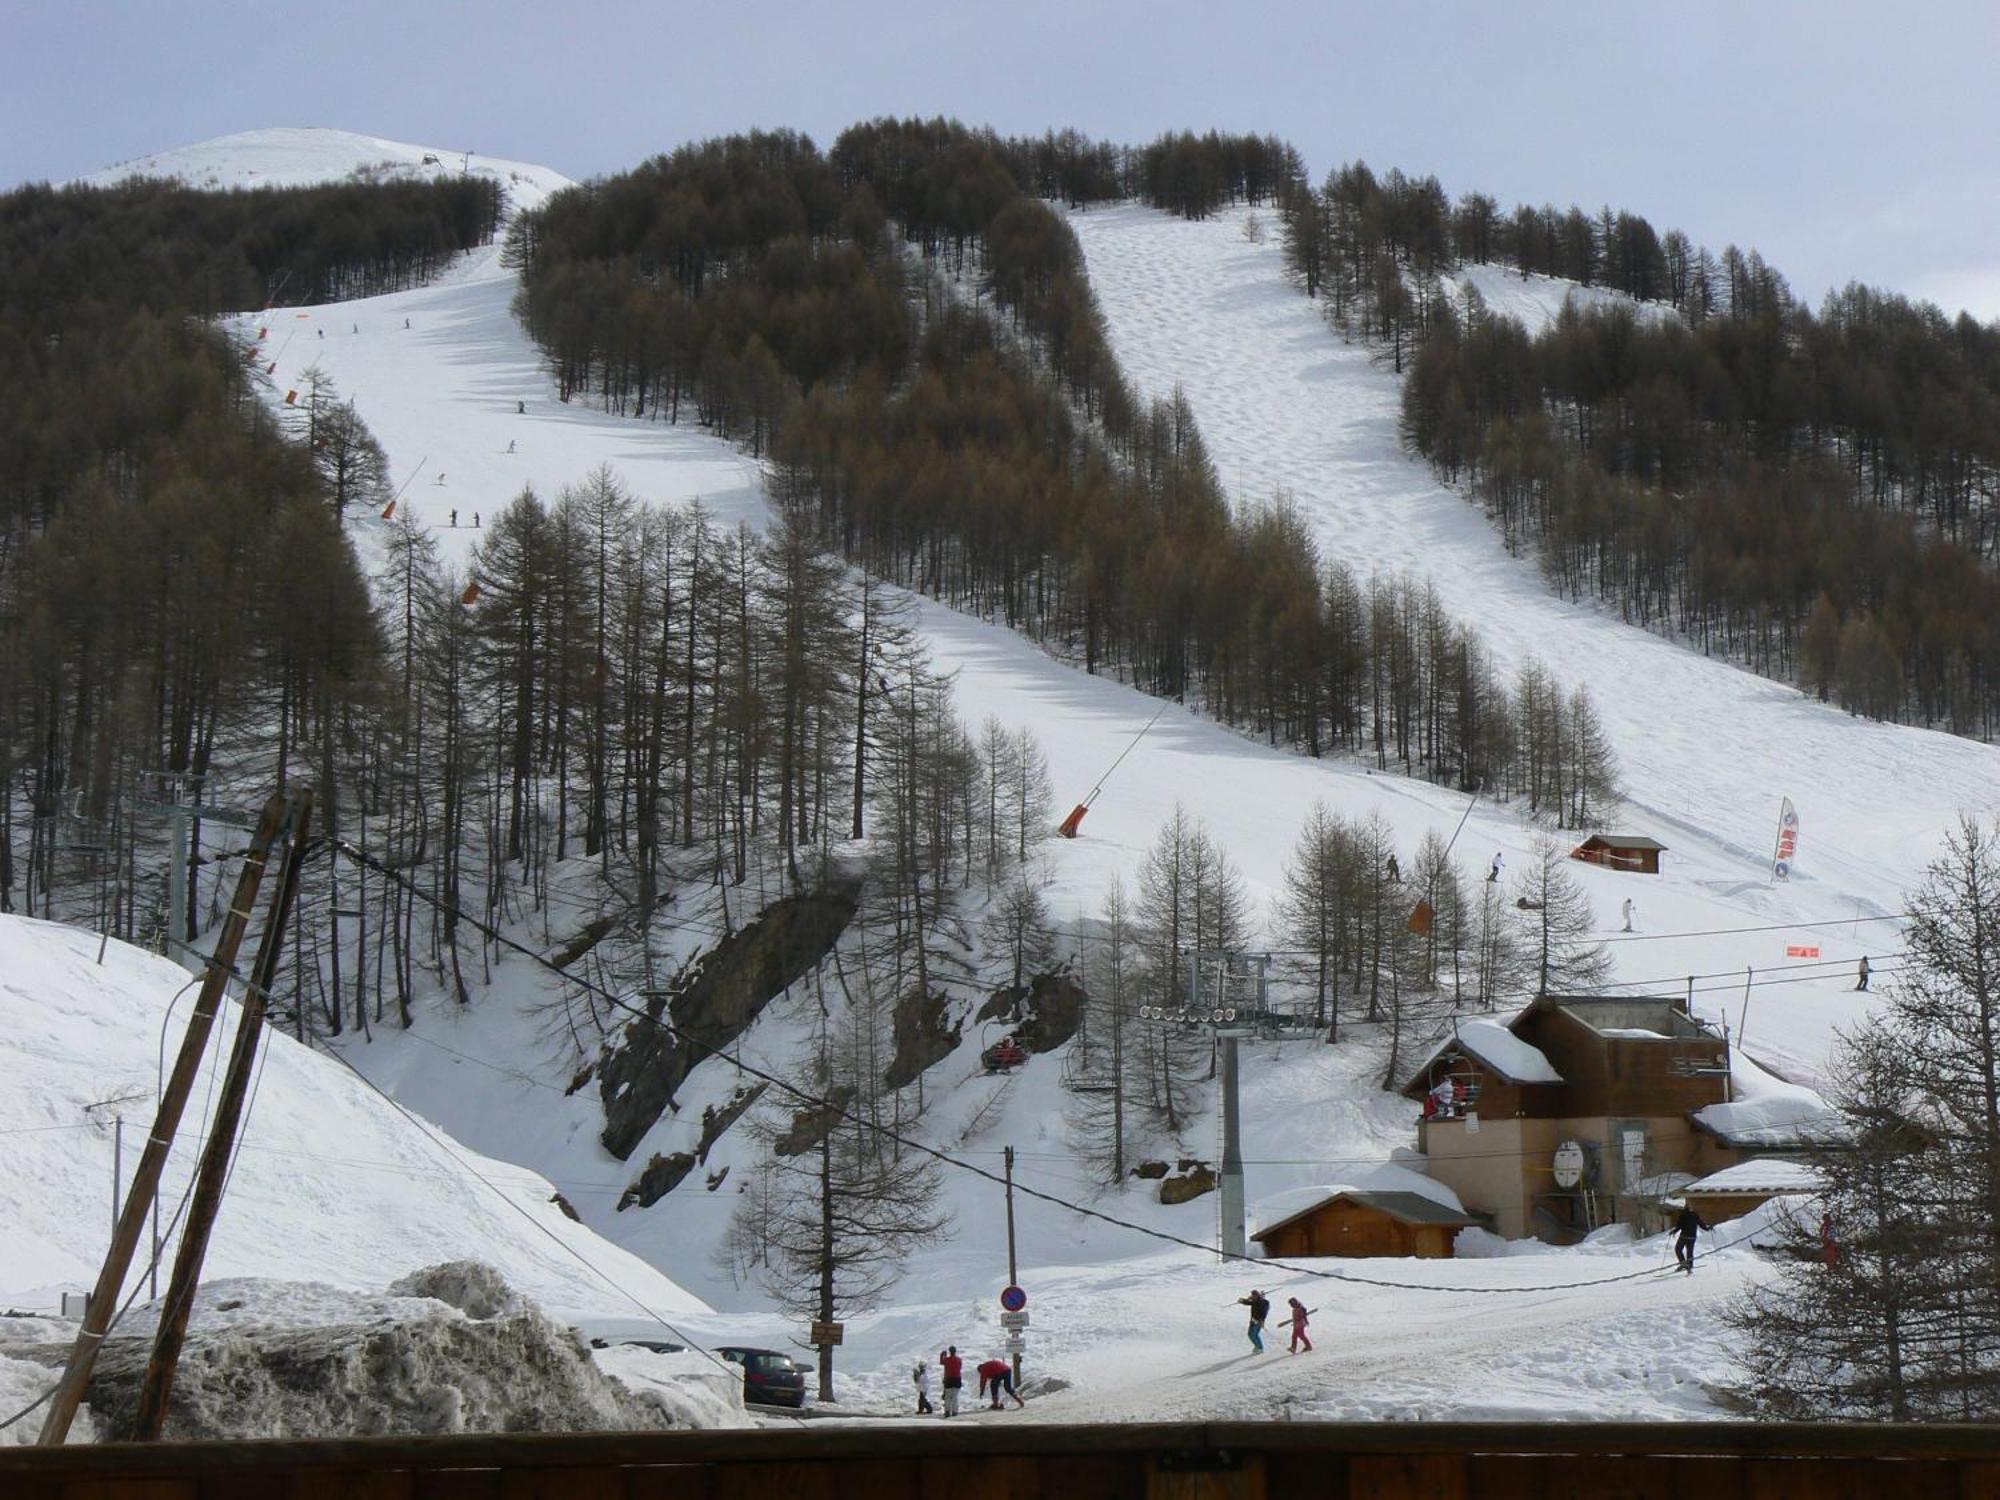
(1134, 1327)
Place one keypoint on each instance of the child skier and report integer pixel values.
(1260, 1309)
(1299, 1319)
(920, 1373)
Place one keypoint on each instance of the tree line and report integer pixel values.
(1367, 935)
(992, 456)
(1889, 1306)
(148, 243)
(1811, 493)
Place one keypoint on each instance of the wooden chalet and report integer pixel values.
(1617, 1084)
(1633, 852)
(1365, 1222)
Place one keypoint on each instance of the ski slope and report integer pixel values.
(442, 373)
(332, 1184)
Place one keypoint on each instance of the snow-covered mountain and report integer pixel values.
(459, 397)
(309, 155)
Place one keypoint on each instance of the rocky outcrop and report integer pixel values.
(661, 1176)
(711, 1005)
(1045, 1014)
(924, 1035)
(1188, 1184)
(810, 1126)
(715, 1121)
(1150, 1171)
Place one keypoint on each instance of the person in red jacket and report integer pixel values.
(999, 1375)
(954, 1378)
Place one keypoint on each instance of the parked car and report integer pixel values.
(769, 1378)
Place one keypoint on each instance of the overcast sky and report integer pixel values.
(1845, 141)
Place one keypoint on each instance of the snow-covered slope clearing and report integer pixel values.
(332, 1184)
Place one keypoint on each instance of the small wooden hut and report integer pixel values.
(1621, 851)
(1354, 1221)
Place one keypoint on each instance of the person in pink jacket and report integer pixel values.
(1299, 1327)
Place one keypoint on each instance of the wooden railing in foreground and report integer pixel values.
(975, 1460)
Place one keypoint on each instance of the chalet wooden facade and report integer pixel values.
(1622, 1078)
(1621, 851)
(1363, 1223)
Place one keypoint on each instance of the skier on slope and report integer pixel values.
(920, 1374)
(1260, 1309)
(1628, 913)
(1299, 1319)
(1493, 875)
(1686, 1226)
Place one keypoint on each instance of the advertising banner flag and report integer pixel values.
(1788, 841)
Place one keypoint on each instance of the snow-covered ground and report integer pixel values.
(440, 374)
(332, 1184)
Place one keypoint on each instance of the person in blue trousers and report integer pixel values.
(1260, 1309)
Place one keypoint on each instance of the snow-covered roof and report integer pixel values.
(1502, 1051)
(1767, 1111)
(1386, 1181)
(1762, 1175)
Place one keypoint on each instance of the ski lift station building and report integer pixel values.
(1560, 1120)
(1633, 852)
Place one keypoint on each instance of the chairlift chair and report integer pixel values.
(1003, 1055)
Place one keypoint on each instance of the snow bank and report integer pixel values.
(451, 1348)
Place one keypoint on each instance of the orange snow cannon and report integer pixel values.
(1067, 828)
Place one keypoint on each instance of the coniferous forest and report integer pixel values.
(1809, 492)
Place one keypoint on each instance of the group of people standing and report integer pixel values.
(995, 1375)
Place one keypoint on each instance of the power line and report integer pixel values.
(465, 1166)
(829, 1108)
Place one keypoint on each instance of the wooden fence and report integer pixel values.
(973, 1460)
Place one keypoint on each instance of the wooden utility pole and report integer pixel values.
(166, 1120)
(213, 1172)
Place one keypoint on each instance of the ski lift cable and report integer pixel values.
(838, 1111)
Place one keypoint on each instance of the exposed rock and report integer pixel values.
(568, 1208)
(809, 1126)
(716, 1179)
(1044, 1015)
(715, 1121)
(712, 1004)
(1188, 1186)
(583, 1076)
(662, 1175)
(924, 1035)
(1150, 1170)
(594, 932)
